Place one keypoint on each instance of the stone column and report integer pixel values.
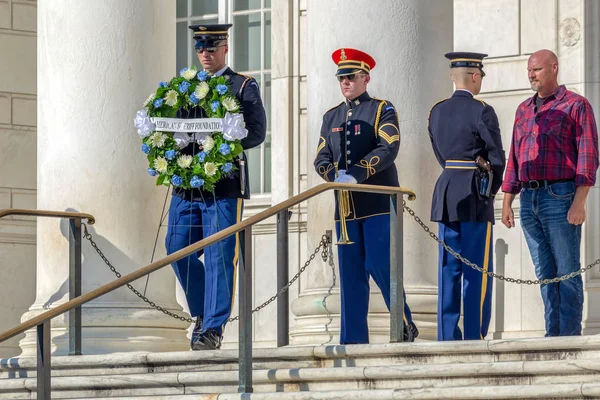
(591, 89)
(97, 63)
(408, 40)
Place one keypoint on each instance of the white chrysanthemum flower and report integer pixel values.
(208, 143)
(230, 104)
(171, 98)
(158, 139)
(210, 169)
(201, 90)
(184, 161)
(150, 99)
(161, 164)
(189, 73)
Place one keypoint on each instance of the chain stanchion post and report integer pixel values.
(75, 285)
(43, 361)
(245, 309)
(396, 269)
(283, 312)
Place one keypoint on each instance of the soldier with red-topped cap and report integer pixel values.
(359, 142)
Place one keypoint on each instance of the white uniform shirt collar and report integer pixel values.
(220, 72)
(465, 90)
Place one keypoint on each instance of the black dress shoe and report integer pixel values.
(410, 332)
(209, 340)
(197, 331)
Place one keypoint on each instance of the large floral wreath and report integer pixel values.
(219, 149)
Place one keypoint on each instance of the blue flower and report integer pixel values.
(182, 71)
(227, 167)
(163, 84)
(145, 148)
(170, 154)
(215, 105)
(201, 156)
(194, 99)
(196, 182)
(158, 103)
(224, 149)
(183, 87)
(152, 172)
(202, 75)
(221, 89)
(176, 180)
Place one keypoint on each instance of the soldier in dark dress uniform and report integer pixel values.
(462, 129)
(196, 214)
(359, 142)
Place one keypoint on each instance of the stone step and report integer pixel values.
(534, 349)
(546, 392)
(416, 379)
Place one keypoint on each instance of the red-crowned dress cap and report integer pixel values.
(351, 61)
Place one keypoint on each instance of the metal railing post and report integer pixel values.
(283, 312)
(396, 269)
(245, 312)
(43, 361)
(74, 285)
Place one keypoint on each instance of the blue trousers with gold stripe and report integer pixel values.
(209, 286)
(472, 240)
(369, 256)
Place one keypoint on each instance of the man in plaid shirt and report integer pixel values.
(552, 164)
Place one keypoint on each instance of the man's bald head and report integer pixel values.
(542, 71)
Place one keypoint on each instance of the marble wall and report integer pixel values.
(17, 161)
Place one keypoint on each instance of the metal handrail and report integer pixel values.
(44, 213)
(194, 248)
(245, 229)
(43, 330)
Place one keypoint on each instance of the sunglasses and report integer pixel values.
(477, 73)
(212, 49)
(350, 77)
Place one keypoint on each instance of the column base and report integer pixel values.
(311, 319)
(118, 328)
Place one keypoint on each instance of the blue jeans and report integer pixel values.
(554, 246)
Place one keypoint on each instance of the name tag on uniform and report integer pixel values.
(337, 129)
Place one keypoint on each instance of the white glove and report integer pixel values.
(345, 178)
(341, 172)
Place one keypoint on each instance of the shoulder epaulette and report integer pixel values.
(384, 101)
(481, 101)
(333, 108)
(439, 102)
(248, 79)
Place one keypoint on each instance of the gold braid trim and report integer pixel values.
(321, 145)
(378, 117)
(324, 171)
(370, 165)
(389, 139)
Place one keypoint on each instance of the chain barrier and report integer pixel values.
(324, 244)
(324, 302)
(493, 274)
(326, 249)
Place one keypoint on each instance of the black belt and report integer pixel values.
(542, 184)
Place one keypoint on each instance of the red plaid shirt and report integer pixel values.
(560, 141)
